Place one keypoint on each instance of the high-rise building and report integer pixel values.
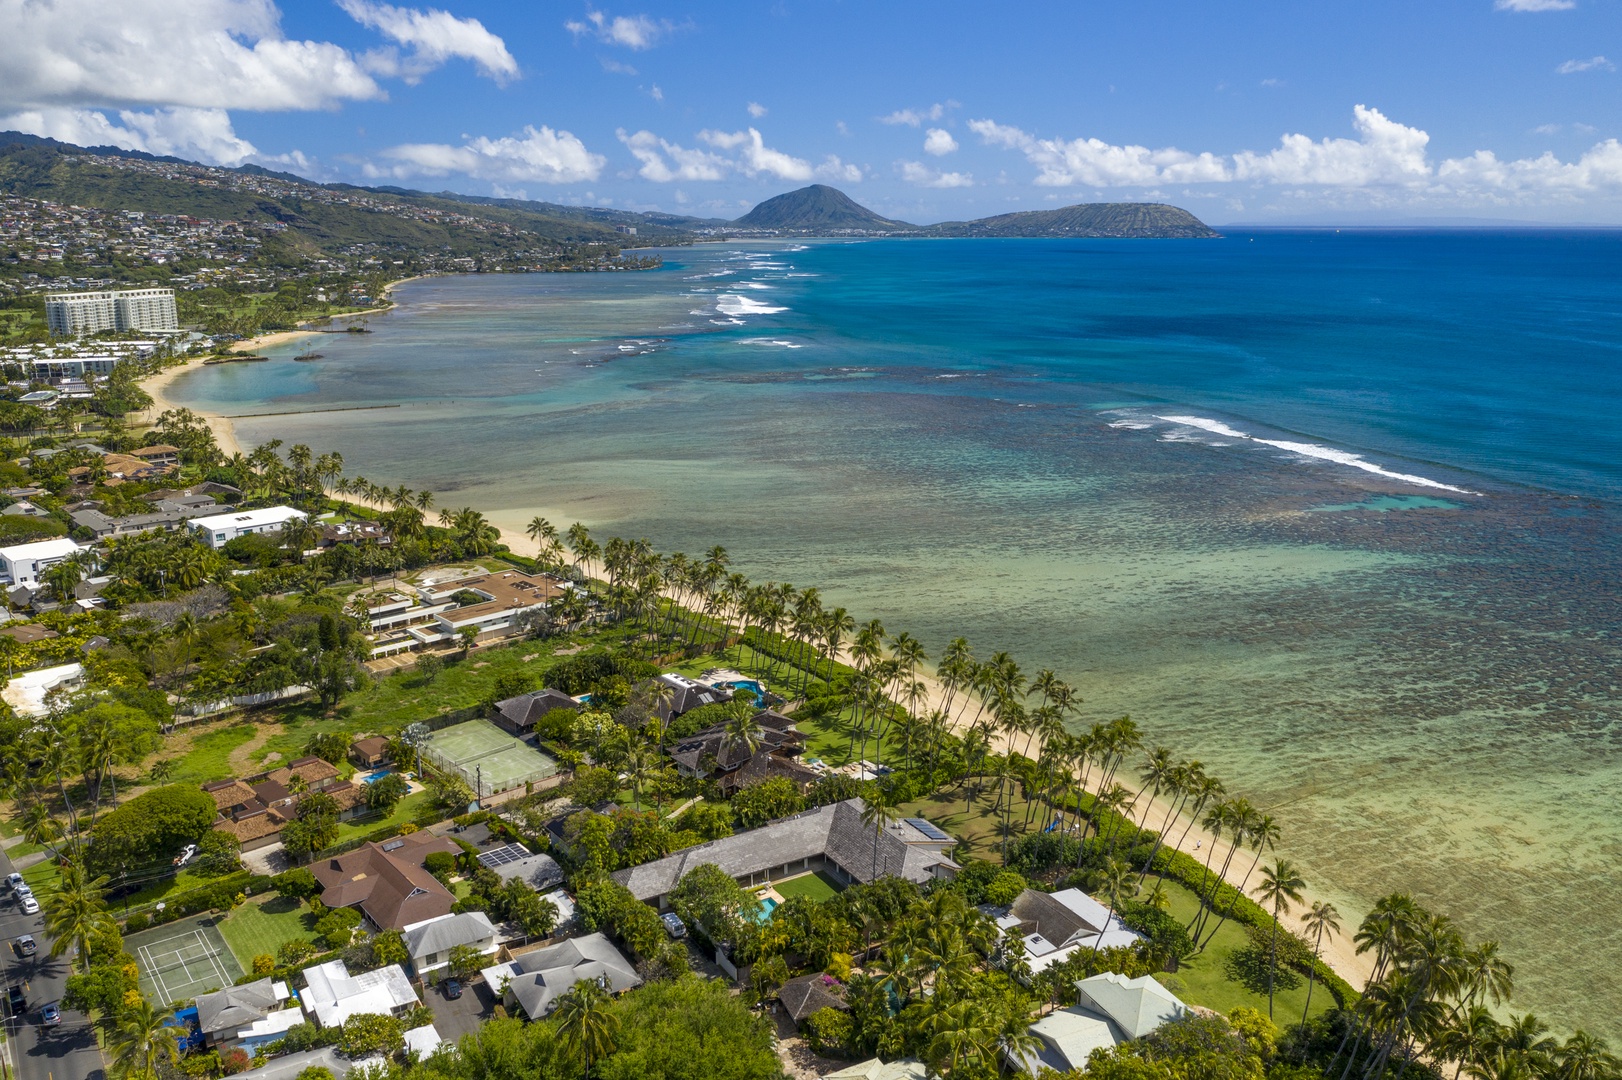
(74, 314)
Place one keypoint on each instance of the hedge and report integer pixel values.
(217, 894)
(1190, 872)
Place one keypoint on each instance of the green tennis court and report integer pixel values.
(487, 757)
(183, 959)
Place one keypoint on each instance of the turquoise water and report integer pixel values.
(767, 906)
(1103, 457)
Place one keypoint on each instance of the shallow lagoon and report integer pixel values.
(963, 437)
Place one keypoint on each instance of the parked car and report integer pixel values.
(453, 989)
(25, 945)
(186, 854)
(17, 1000)
(673, 925)
(49, 1014)
(14, 881)
(22, 890)
(30, 905)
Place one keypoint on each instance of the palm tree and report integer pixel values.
(140, 1037)
(1115, 879)
(1279, 888)
(1583, 1057)
(877, 812)
(77, 913)
(743, 731)
(1320, 920)
(585, 1023)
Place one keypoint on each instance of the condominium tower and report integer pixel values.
(73, 314)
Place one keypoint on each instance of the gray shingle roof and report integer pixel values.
(442, 935)
(546, 974)
(526, 709)
(835, 831)
(236, 1006)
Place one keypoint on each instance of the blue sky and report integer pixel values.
(1239, 111)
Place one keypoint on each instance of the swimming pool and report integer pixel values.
(750, 687)
(767, 906)
(373, 777)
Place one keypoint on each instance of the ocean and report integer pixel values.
(1335, 513)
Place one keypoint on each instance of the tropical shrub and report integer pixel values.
(828, 1031)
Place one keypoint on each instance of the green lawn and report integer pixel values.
(209, 756)
(979, 823)
(259, 926)
(817, 886)
(1203, 980)
(404, 810)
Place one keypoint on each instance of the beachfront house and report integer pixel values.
(500, 604)
(710, 755)
(1053, 926)
(220, 529)
(1110, 1009)
(519, 715)
(830, 838)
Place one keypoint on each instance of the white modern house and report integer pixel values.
(221, 529)
(22, 564)
(1110, 1009)
(333, 995)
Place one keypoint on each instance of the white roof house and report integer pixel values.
(333, 995)
(1054, 926)
(423, 1041)
(874, 1069)
(221, 529)
(21, 564)
(26, 693)
(1110, 1009)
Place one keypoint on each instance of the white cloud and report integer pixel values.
(682, 163)
(631, 31)
(916, 172)
(1600, 167)
(1386, 152)
(1546, 129)
(656, 93)
(209, 54)
(756, 109)
(1595, 63)
(834, 169)
(939, 142)
(195, 134)
(1272, 84)
(1387, 162)
(916, 117)
(755, 157)
(1535, 5)
(539, 154)
(1095, 163)
(433, 36)
(615, 67)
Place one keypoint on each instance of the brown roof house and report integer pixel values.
(387, 881)
(708, 755)
(254, 810)
(369, 753)
(520, 714)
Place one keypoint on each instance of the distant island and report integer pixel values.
(820, 210)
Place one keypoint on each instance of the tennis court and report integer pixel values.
(183, 959)
(487, 756)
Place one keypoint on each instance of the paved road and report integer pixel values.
(67, 1052)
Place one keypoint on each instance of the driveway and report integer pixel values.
(66, 1052)
(453, 1019)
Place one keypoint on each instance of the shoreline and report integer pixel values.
(1338, 953)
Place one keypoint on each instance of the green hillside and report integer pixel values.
(1127, 220)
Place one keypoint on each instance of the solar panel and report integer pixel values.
(501, 856)
(928, 828)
